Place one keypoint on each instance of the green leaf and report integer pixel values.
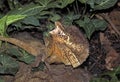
(83, 1)
(44, 3)
(91, 3)
(87, 26)
(18, 25)
(8, 65)
(47, 3)
(21, 55)
(69, 18)
(44, 13)
(101, 4)
(55, 17)
(54, 4)
(23, 12)
(27, 58)
(2, 25)
(13, 52)
(13, 18)
(50, 26)
(89, 29)
(64, 3)
(91, 25)
(18, 14)
(32, 20)
(99, 24)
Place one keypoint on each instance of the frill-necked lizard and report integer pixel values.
(67, 45)
(64, 45)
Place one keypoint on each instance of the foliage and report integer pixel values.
(69, 19)
(112, 74)
(91, 25)
(41, 9)
(18, 14)
(7, 65)
(99, 4)
(21, 55)
(31, 21)
(47, 11)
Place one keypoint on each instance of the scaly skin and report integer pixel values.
(67, 45)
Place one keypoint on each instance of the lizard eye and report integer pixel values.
(61, 33)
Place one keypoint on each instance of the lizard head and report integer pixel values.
(59, 33)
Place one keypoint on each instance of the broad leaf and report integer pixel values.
(47, 4)
(18, 14)
(91, 25)
(2, 25)
(101, 4)
(31, 20)
(27, 58)
(23, 12)
(99, 24)
(54, 3)
(8, 65)
(44, 3)
(21, 55)
(55, 17)
(50, 26)
(69, 18)
(64, 3)
(83, 1)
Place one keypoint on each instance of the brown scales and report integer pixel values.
(67, 45)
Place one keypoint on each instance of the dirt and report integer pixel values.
(58, 73)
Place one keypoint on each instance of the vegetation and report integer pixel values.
(112, 75)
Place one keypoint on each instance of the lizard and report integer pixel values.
(64, 45)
